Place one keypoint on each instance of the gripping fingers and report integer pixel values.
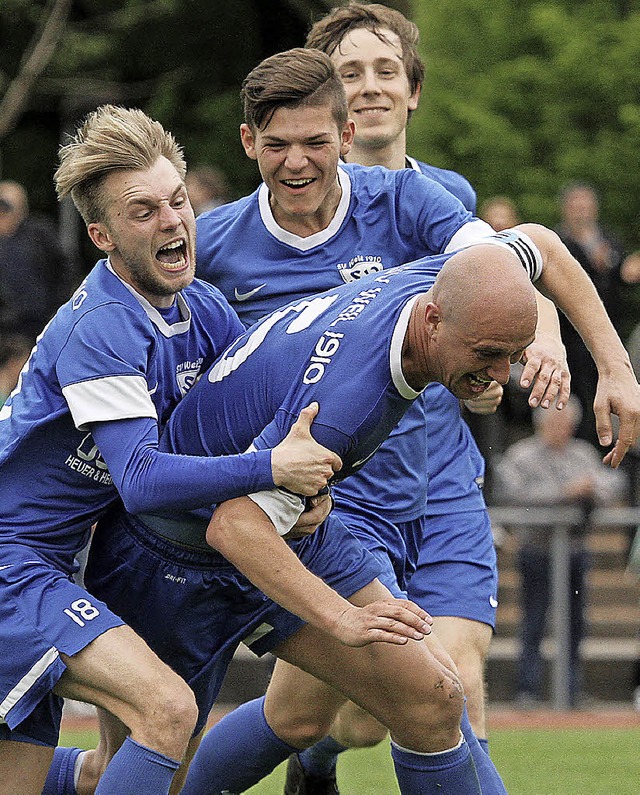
(549, 384)
(404, 618)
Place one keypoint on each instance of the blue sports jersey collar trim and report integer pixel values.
(167, 330)
(306, 243)
(395, 352)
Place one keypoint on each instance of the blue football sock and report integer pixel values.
(137, 770)
(450, 772)
(484, 744)
(489, 777)
(320, 759)
(236, 753)
(61, 775)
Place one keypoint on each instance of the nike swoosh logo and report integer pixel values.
(245, 296)
(493, 601)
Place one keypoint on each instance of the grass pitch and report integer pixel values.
(587, 761)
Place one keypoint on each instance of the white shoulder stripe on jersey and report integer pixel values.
(27, 681)
(118, 397)
(473, 231)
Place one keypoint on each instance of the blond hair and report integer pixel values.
(111, 138)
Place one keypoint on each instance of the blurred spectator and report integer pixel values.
(499, 212)
(552, 468)
(633, 574)
(632, 459)
(600, 254)
(630, 268)
(14, 352)
(34, 275)
(207, 187)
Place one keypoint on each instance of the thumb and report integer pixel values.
(306, 417)
(603, 427)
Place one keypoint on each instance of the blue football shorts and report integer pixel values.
(395, 545)
(43, 613)
(457, 573)
(194, 608)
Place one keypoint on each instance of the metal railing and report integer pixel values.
(561, 519)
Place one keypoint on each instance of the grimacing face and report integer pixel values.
(470, 357)
(297, 154)
(149, 233)
(376, 84)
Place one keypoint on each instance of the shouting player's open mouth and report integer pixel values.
(173, 256)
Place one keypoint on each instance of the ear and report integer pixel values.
(248, 141)
(414, 99)
(346, 137)
(101, 237)
(432, 319)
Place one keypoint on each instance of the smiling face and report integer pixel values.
(148, 231)
(377, 87)
(298, 153)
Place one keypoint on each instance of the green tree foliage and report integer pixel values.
(523, 96)
(180, 60)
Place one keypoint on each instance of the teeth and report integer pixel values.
(171, 246)
(297, 183)
(477, 379)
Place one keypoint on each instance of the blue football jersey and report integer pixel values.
(342, 348)
(455, 465)
(455, 183)
(108, 354)
(385, 218)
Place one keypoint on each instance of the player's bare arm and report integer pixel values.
(565, 281)
(242, 532)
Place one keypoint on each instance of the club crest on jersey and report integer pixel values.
(187, 374)
(359, 266)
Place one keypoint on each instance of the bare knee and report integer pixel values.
(166, 721)
(299, 729)
(429, 722)
(355, 728)
(468, 643)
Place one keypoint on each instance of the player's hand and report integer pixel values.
(317, 510)
(385, 621)
(545, 366)
(617, 393)
(488, 401)
(299, 463)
